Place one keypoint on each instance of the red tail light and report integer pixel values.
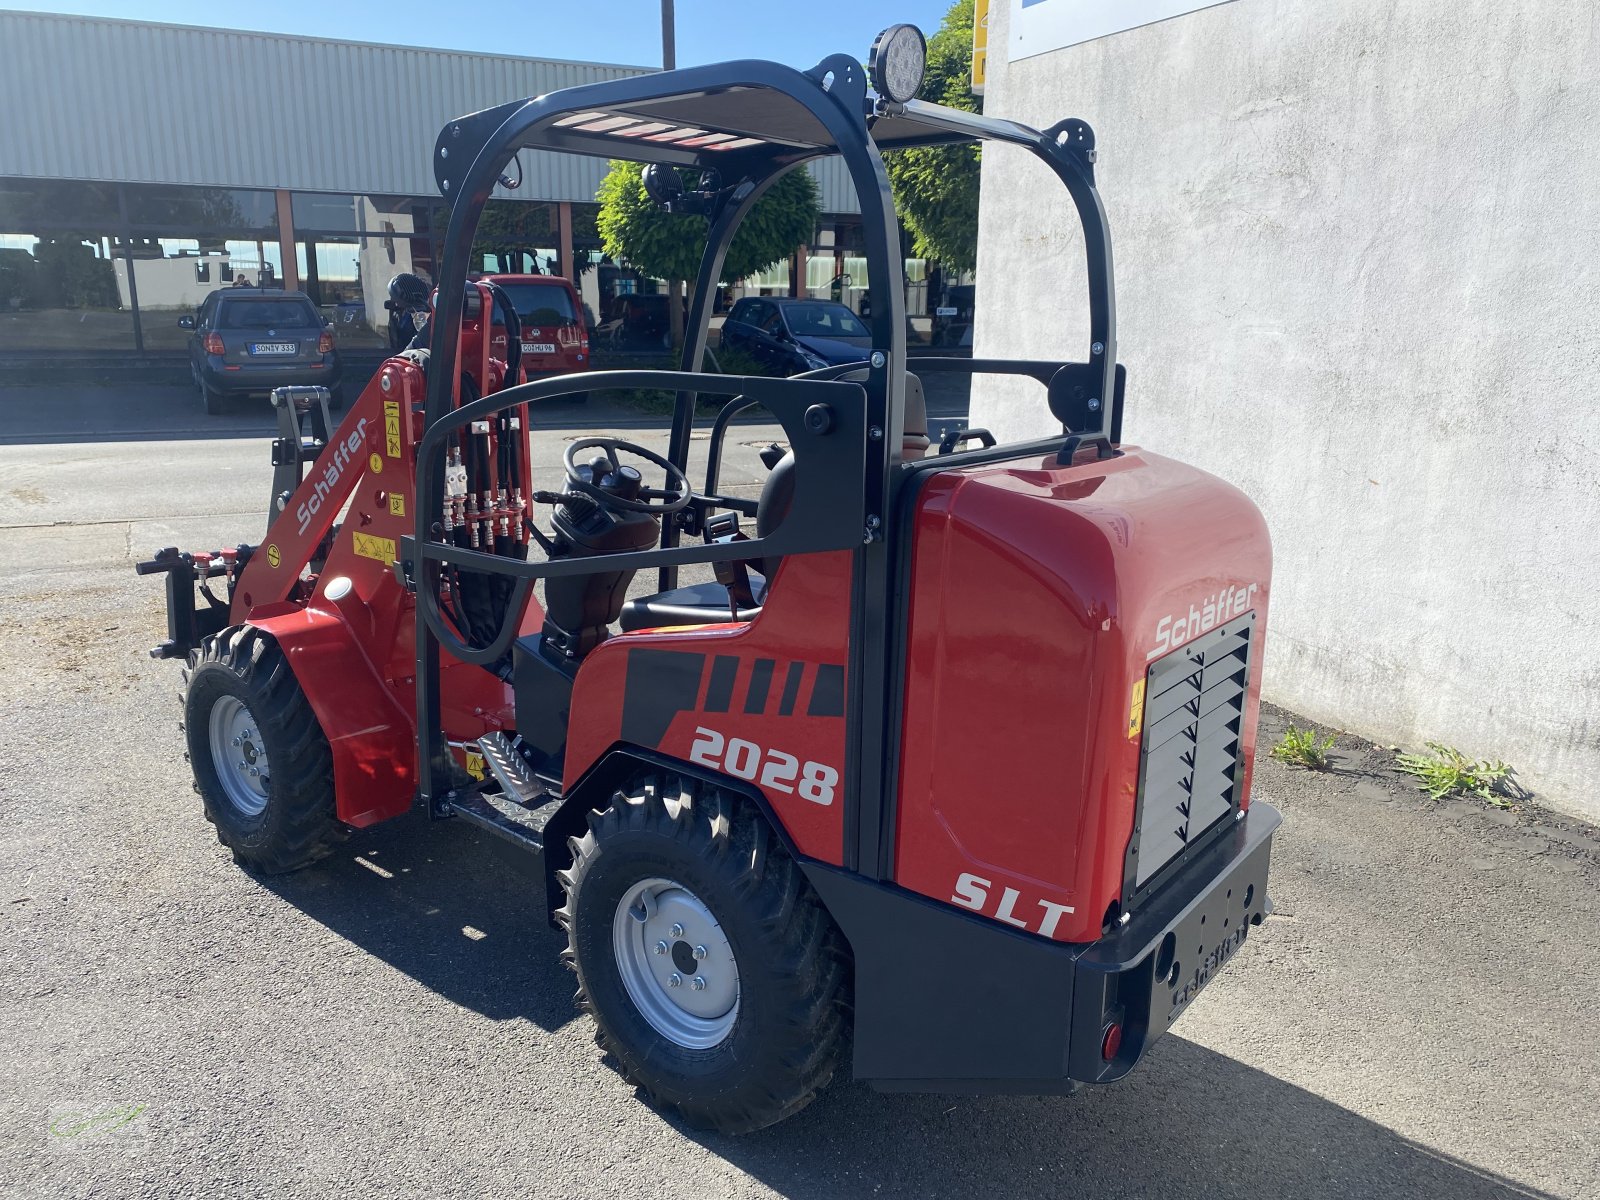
(1112, 1042)
(325, 343)
(573, 337)
(214, 344)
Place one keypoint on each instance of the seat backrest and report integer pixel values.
(777, 494)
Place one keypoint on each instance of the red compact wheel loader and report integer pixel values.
(949, 766)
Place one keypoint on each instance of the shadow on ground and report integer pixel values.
(448, 907)
(1189, 1123)
(454, 911)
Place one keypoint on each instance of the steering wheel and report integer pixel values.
(656, 503)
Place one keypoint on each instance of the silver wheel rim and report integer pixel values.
(676, 963)
(239, 755)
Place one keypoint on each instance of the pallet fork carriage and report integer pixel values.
(955, 754)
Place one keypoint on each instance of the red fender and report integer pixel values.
(372, 736)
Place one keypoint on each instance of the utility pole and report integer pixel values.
(669, 37)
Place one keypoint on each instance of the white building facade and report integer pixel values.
(1358, 269)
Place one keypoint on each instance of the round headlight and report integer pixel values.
(899, 57)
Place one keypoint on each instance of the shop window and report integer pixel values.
(191, 210)
(54, 203)
(323, 212)
(174, 276)
(516, 237)
(348, 278)
(349, 247)
(63, 292)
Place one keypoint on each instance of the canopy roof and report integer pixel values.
(749, 112)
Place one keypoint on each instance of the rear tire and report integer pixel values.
(211, 398)
(743, 923)
(261, 763)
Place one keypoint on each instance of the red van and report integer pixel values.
(555, 339)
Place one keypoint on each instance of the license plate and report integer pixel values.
(538, 347)
(273, 348)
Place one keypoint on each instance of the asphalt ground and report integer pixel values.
(1417, 1019)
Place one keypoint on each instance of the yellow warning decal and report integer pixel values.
(376, 464)
(1135, 711)
(391, 428)
(475, 765)
(397, 504)
(273, 557)
(380, 548)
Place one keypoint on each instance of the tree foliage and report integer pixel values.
(936, 187)
(506, 228)
(669, 245)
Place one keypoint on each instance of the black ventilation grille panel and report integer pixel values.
(1189, 766)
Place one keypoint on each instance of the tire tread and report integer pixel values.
(307, 827)
(730, 835)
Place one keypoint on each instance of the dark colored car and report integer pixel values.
(952, 318)
(788, 335)
(555, 339)
(635, 321)
(247, 341)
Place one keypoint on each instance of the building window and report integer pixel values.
(349, 247)
(41, 203)
(173, 275)
(192, 210)
(516, 237)
(62, 291)
(62, 270)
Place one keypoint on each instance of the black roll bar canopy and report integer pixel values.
(749, 121)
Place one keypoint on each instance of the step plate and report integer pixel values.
(513, 775)
(499, 817)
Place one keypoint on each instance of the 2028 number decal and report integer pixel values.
(772, 768)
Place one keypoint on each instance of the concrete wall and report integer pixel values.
(1358, 268)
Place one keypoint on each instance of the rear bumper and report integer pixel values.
(949, 1001)
(262, 378)
(1149, 971)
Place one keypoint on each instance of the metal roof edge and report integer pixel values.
(89, 19)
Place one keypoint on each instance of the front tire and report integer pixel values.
(755, 1024)
(261, 762)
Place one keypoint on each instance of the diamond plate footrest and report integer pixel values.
(516, 781)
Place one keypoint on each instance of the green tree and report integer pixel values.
(670, 245)
(936, 187)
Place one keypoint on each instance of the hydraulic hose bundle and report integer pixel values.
(487, 484)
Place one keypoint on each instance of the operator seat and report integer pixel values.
(707, 603)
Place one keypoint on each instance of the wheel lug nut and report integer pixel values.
(255, 770)
(699, 953)
(238, 741)
(676, 930)
(698, 983)
(674, 980)
(661, 947)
